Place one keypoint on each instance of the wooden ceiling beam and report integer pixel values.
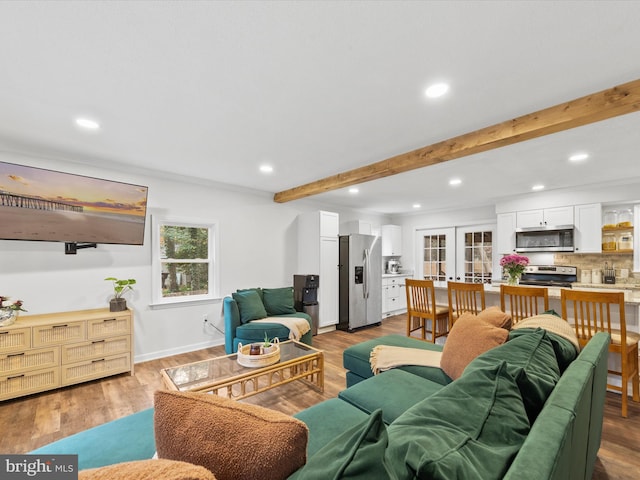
(613, 102)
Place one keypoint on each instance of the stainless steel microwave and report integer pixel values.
(545, 239)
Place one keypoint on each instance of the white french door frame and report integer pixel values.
(450, 262)
(455, 242)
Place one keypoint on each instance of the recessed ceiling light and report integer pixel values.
(437, 90)
(266, 168)
(416, 205)
(537, 187)
(353, 191)
(87, 123)
(577, 157)
(455, 182)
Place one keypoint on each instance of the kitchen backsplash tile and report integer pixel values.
(596, 261)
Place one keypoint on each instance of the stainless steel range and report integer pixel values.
(549, 275)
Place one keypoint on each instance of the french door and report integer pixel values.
(461, 254)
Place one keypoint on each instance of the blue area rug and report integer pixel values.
(132, 437)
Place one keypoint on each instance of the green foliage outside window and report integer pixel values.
(185, 260)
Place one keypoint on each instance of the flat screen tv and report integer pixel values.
(41, 204)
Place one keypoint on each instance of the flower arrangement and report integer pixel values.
(16, 306)
(513, 265)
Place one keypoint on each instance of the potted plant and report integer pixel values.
(120, 287)
(269, 346)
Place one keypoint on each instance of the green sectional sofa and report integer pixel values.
(246, 305)
(530, 408)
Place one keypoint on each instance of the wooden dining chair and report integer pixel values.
(591, 312)
(522, 301)
(421, 307)
(464, 297)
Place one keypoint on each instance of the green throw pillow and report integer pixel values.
(532, 362)
(565, 350)
(358, 453)
(278, 301)
(250, 305)
(472, 428)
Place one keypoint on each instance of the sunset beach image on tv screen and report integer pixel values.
(40, 204)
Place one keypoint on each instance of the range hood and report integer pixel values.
(545, 238)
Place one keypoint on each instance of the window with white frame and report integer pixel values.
(184, 267)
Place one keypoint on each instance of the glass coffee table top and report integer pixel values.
(193, 376)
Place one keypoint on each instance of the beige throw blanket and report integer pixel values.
(384, 357)
(297, 326)
(552, 324)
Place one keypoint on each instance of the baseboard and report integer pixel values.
(176, 351)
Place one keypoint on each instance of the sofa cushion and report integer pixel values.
(255, 332)
(562, 335)
(394, 391)
(250, 305)
(278, 301)
(532, 362)
(471, 428)
(148, 470)
(358, 453)
(356, 357)
(232, 439)
(469, 337)
(343, 416)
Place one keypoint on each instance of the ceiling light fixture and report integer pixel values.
(577, 157)
(436, 90)
(416, 205)
(537, 187)
(353, 191)
(454, 182)
(87, 123)
(266, 168)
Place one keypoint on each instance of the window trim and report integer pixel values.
(157, 221)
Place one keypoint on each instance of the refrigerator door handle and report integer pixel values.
(365, 290)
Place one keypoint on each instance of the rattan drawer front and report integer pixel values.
(102, 367)
(60, 333)
(14, 339)
(30, 382)
(29, 360)
(108, 327)
(79, 352)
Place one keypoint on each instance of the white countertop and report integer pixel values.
(631, 291)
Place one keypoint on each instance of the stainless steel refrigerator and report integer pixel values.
(360, 273)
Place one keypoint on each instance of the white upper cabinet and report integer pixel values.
(391, 240)
(506, 233)
(329, 224)
(545, 217)
(588, 238)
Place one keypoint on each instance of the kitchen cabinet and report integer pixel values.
(588, 224)
(545, 217)
(47, 351)
(318, 255)
(394, 296)
(359, 226)
(391, 240)
(506, 233)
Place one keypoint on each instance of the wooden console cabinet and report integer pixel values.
(43, 352)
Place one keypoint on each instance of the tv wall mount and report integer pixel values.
(71, 248)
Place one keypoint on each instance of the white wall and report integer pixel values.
(258, 247)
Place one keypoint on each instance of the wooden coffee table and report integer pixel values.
(224, 376)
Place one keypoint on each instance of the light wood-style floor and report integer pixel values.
(30, 422)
